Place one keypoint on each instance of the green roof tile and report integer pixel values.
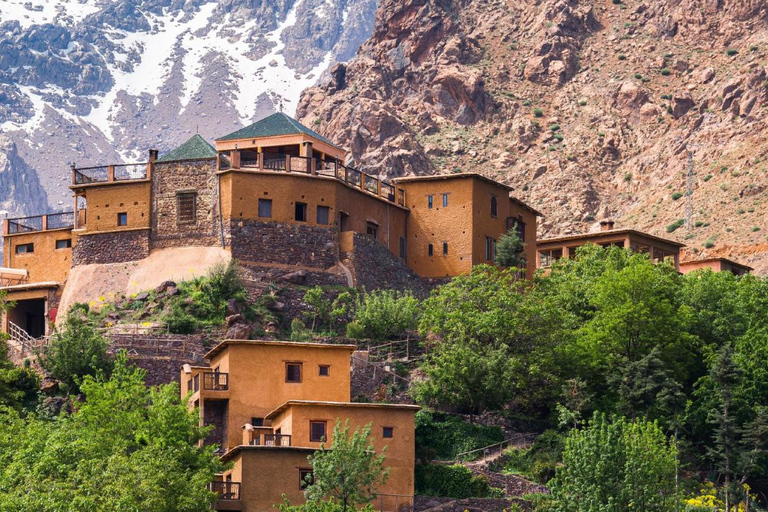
(195, 148)
(276, 124)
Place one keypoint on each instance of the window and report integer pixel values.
(372, 229)
(388, 432)
(494, 207)
(317, 431)
(323, 215)
(402, 247)
(445, 200)
(306, 478)
(520, 226)
(324, 370)
(301, 212)
(25, 248)
(257, 422)
(265, 208)
(429, 201)
(64, 244)
(430, 250)
(549, 256)
(292, 372)
(122, 219)
(490, 249)
(445, 248)
(186, 207)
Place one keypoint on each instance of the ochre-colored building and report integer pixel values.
(659, 249)
(716, 265)
(273, 194)
(274, 403)
(456, 220)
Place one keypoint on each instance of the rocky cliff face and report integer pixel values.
(18, 180)
(587, 107)
(94, 82)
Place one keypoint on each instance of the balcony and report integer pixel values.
(275, 162)
(281, 440)
(109, 173)
(63, 220)
(215, 381)
(226, 490)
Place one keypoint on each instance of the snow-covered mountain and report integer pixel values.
(95, 81)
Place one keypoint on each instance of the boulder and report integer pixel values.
(298, 277)
(165, 286)
(142, 296)
(233, 308)
(681, 104)
(239, 331)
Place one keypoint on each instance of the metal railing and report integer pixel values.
(215, 381)
(86, 175)
(226, 490)
(492, 449)
(35, 223)
(109, 173)
(124, 172)
(60, 220)
(25, 224)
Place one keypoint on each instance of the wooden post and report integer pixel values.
(288, 163)
(110, 173)
(261, 160)
(45, 222)
(378, 187)
(234, 158)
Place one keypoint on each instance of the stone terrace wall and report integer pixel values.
(161, 355)
(114, 247)
(374, 267)
(169, 178)
(287, 244)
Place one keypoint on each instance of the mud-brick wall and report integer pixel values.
(374, 267)
(288, 244)
(113, 247)
(168, 180)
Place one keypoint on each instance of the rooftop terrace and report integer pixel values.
(47, 222)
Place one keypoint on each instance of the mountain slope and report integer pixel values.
(93, 81)
(586, 107)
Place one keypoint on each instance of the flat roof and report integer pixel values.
(248, 447)
(596, 234)
(454, 176)
(30, 286)
(356, 405)
(708, 260)
(225, 343)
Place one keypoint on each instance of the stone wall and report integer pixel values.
(113, 247)
(374, 267)
(170, 178)
(287, 244)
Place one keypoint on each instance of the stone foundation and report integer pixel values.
(374, 267)
(114, 247)
(286, 244)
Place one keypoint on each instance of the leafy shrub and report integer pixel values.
(455, 481)
(699, 223)
(676, 196)
(731, 52)
(755, 229)
(539, 461)
(675, 225)
(638, 76)
(666, 72)
(442, 437)
(582, 102)
(299, 331)
(554, 127)
(709, 243)
(622, 56)
(384, 314)
(538, 112)
(628, 176)
(181, 322)
(707, 177)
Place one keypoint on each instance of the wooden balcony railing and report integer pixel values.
(312, 166)
(193, 384)
(215, 381)
(271, 440)
(226, 490)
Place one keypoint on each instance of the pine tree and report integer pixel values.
(509, 251)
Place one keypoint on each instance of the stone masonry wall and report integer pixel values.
(288, 244)
(374, 267)
(114, 247)
(170, 178)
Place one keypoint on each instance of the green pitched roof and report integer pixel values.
(195, 148)
(276, 124)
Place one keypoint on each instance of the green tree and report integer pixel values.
(614, 466)
(348, 473)
(384, 314)
(509, 250)
(76, 351)
(126, 448)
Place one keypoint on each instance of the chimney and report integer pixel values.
(152, 155)
(606, 225)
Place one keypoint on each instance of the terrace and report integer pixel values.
(110, 173)
(37, 223)
(314, 166)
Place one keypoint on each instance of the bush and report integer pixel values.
(675, 225)
(622, 57)
(731, 52)
(538, 112)
(676, 196)
(181, 322)
(666, 72)
(454, 481)
(539, 461)
(709, 243)
(441, 437)
(707, 177)
(384, 314)
(299, 331)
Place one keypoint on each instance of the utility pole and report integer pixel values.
(689, 191)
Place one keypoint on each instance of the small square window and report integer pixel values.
(265, 208)
(324, 370)
(301, 212)
(430, 250)
(445, 200)
(25, 248)
(306, 478)
(292, 372)
(388, 432)
(372, 229)
(186, 205)
(323, 215)
(122, 219)
(64, 244)
(430, 201)
(445, 248)
(317, 431)
(257, 422)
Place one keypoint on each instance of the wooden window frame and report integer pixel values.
(264, 202)
(301, 371)
(119, 223)
(430, 250)
(191, 219)
(320, 368)
(303, 472)
(430, 201)
(391, 431)
(327, 219)
(494, 207)
(29, 248)
(324, 438)
(67, 244)
(296, 207)
(445, 200)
